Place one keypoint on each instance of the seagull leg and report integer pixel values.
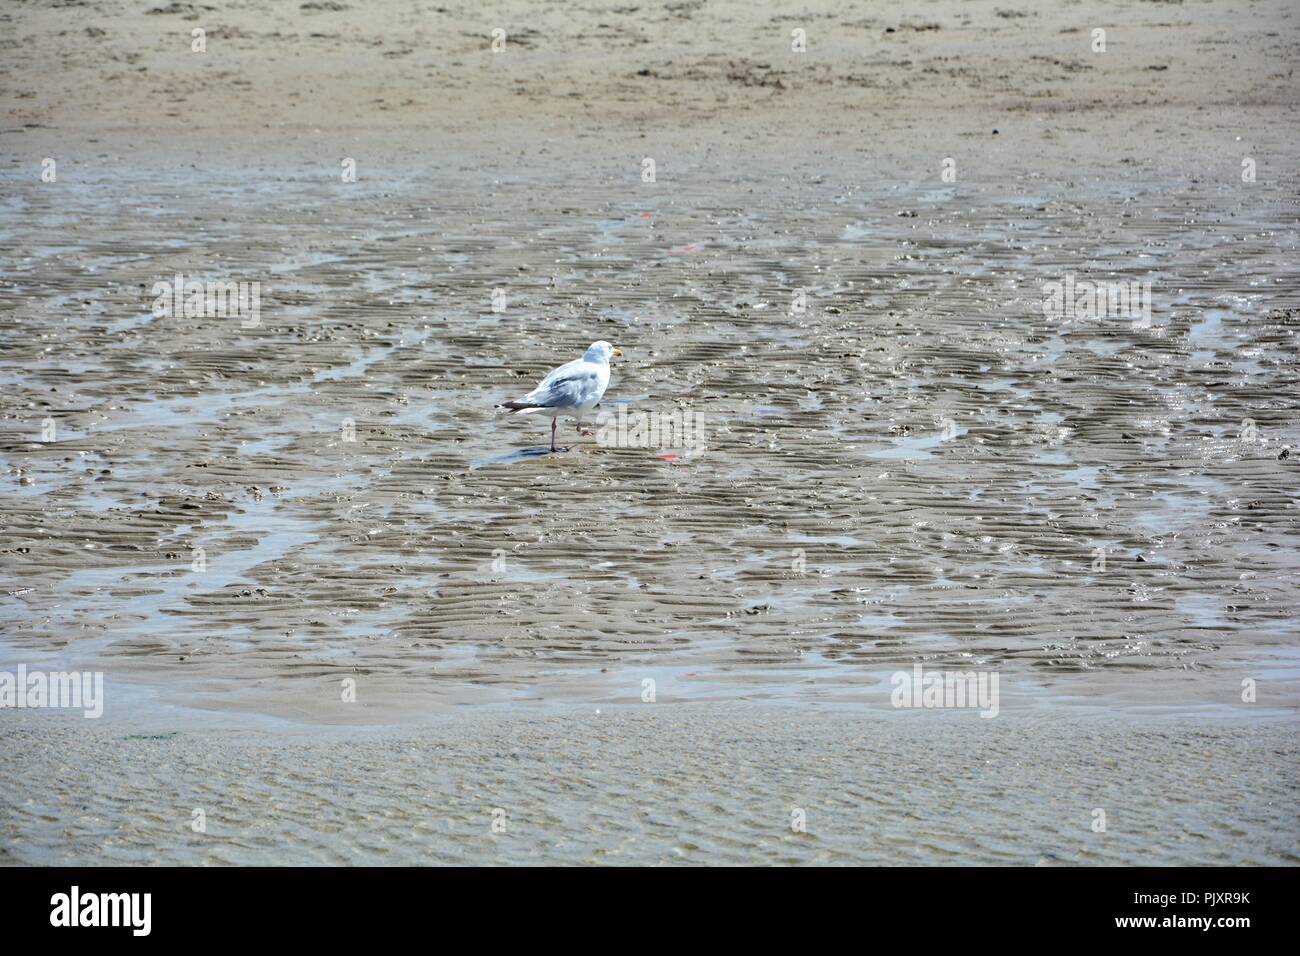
(584, 432)
(553, 448)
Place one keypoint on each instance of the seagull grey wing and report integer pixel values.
(567, 388)
(567, 370)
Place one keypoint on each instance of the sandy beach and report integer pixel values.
(319, 571)
(686, 785)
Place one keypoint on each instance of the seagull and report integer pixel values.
(571, 389)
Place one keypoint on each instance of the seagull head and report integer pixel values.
(601, 352)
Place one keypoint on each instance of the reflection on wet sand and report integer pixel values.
(948, 462)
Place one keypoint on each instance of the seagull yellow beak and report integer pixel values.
(618, 353)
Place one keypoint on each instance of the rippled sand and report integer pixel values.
(661, 784)
(436, 554)
(918, 467)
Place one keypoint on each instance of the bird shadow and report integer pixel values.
(523, 454)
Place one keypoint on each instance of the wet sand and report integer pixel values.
(663, 784)
(920, 467)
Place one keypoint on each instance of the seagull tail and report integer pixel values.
(521, 408)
